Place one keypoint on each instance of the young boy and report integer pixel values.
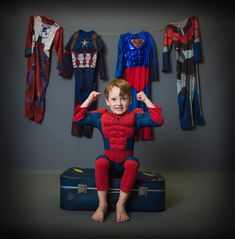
(118, 130)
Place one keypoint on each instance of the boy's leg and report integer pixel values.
(131, 166)
(102, 185)
(100, 212)
(122, 215)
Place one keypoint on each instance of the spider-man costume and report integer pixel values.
(137, 64)
(118, 133)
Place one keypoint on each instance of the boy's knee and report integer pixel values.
(102, 161)
(131, 164)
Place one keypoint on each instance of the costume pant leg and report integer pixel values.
(197, 112)
(185, 113)
(102, 173)
(30, 88)
(36, 84)
(84, 85)
(189, 102)
(131, 167)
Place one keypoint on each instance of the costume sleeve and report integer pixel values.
(101, 61)
(120, 59)
(29, 38)
(167, 44)
(152, 118)
(83, 117)
(153, 65)
(58, 43)
(66, 66)
(196, 42)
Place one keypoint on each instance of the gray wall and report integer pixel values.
(26, 145)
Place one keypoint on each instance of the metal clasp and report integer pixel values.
(143, 191)
(82, 188)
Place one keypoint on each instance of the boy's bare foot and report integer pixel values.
(122, 215)
(99, 214)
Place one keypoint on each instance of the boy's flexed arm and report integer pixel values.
(153, 117)
(94, 95)
(142, 97)
(81, 116)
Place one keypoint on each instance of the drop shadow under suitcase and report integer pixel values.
(78, 191)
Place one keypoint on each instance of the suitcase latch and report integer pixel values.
(82, 188)
(143, 191)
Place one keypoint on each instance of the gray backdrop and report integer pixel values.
(49, 146)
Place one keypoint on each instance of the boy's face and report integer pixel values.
(118, 103)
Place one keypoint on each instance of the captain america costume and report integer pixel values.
(118, 133)
(83, 56)
(137, 64)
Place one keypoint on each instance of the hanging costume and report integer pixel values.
(42, 33)
(186, 41)
(118, 133)
(83, 54)
(137, 64)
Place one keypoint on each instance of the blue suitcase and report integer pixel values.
(78, 191)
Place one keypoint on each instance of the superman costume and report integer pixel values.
(137, 64)
(118, 133)
(186, 41)
(83, 56)
(42, 33)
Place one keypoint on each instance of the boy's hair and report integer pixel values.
(125, 88)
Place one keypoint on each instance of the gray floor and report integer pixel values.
(199, 205)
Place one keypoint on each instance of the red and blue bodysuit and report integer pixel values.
(137, 64)
(118, 133)
(42, 33)
(186, 41)
(83, 56)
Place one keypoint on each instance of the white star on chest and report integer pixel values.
(84, 43)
